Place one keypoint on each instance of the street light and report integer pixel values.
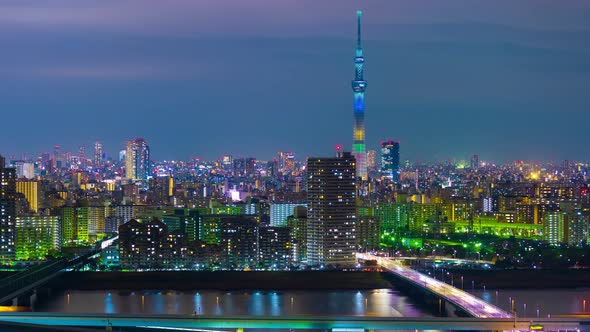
(461, 282)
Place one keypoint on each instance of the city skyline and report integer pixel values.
(189, 164)
(115, 155)
(447, 83)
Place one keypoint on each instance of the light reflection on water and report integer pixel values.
(539, 303)
(379, 302)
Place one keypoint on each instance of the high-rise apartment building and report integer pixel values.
(331, 214)
(137, 160)
(31, 191)
(37, 236)
(390, 160)
(274, 247)
(239, 242)
(7, 213)
(279, 212)
(297, 225)
(554, 227)
(143, 245)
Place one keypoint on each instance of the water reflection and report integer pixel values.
(381, 302)
(275, 305)
(359, 303)
(109, 308)
(538, 303)
(256, 307)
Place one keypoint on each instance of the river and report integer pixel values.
(539, 303)
(378, 302)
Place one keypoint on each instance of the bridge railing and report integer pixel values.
(26, 278)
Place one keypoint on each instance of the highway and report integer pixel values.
(471, 304)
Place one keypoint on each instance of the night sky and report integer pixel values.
(505, 79)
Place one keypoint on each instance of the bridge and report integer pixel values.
(19, 283)
(472, 305)
(185, 322)
(446, 259)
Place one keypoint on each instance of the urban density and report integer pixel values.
(362, 207)
(238, 213)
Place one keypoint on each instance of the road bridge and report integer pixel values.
(471, 304)
(13, 286)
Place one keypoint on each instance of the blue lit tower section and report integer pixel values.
(358, 87)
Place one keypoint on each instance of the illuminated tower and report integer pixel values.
(137, 160)
(358, 87)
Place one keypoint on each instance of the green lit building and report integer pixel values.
(37, 236)
(392, 216)
(297, 225)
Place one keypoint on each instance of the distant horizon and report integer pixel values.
(504, 80)
(114, 154)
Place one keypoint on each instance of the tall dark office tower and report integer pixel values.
(7, 213)
(137, 160)
(390, 160)
(331, 196)
(358, 87)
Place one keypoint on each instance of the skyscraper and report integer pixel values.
(390, 160)
(475, 161)
(331, 190)
(358, 87)
(137, 160)
(7, 213)
(97, 154)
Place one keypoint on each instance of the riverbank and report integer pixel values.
(314, 280)
(222, 280)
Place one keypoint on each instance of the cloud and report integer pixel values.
(291, 17)
(112, 72)
(103, 71)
